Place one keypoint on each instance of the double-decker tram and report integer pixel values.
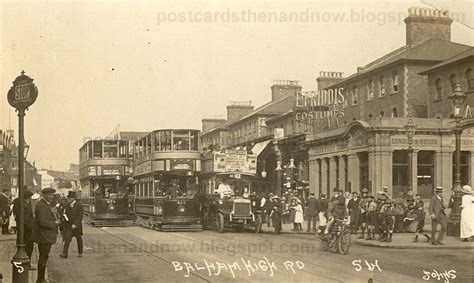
(166, 171)
(226, 192)
(106, 192)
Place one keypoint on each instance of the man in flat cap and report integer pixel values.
(438, 216)
(28, 220)
(45, 230)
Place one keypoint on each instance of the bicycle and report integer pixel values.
(338, 238)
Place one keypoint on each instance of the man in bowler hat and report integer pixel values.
(45, 230)
(72, 224)
(438, 216)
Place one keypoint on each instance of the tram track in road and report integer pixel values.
(218, 257)
(219, 237)
(150, 253)
(328, 256)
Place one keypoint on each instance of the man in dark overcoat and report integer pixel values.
(355, 212)
(312, 210)
(28, 218)
(73, 224)
(45, 230)
(438, 216)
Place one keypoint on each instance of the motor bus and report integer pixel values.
(166, 174)
(105, 181)
(239, 210)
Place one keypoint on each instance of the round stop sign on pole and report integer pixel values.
(23, 93)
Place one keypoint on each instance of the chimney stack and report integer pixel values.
(210, 122)
(238, 109)
(327, 79)
(284, 88)
(423, 24)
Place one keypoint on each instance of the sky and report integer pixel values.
(162, 64)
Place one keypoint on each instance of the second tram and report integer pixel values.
(166, 171)
(106, 193)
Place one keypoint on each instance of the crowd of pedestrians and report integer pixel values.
(44, 215)
(372, 217)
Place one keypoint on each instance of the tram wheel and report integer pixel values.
(258, 223)
(344, 242)
(220, 223)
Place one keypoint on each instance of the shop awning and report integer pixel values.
(259, 147)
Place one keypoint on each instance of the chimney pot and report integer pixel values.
(423, 24)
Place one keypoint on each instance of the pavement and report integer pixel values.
(399, 240)
(135, 254)
(7, 251)
(405, 241)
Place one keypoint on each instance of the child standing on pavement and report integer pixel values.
(371, 218)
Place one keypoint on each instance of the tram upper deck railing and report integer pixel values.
(167, 140)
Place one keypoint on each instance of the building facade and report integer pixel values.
(7, 148)
(369, 147)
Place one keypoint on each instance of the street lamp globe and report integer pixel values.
(292, 164)
(458, 97)
(278, 168)
(410, 129)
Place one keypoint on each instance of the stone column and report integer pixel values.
(471, 168)
(414, 171)
(385, 170)
(353, 173)
(374, 178)
(444, 172)
(333, 173)
(342, 175)
(314, 177)
(324, 179)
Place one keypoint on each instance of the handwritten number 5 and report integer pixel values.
(18, 266)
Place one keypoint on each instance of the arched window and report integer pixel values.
(470, 79)
(395, 81)
(439, 89)
(452, 81)
(394, 113)
(370, 90)
(355, 95)
(381, 86)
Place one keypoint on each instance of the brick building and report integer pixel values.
(368, 148)
(7, 147)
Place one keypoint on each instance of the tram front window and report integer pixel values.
(165, 140)
(181, 140)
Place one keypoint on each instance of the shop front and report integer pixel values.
(373, 154)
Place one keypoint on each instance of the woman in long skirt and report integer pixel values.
(467, 214)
